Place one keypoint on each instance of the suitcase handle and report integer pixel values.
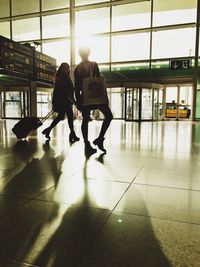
(47, 116)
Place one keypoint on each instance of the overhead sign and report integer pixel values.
(183, 64)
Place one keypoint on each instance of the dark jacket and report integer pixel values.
(80, 74)
(63, 89)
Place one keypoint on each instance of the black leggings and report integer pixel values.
(86, 117)
(61, 115)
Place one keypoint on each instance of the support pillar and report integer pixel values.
(33, 98)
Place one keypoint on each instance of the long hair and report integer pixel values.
(60, 69)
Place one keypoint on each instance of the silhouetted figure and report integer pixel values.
(63, 92)
(82, 71)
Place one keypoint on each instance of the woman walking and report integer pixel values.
(63, 98)
(84, 70)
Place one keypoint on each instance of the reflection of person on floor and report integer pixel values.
(128, 244)
(36, 177)
(38, 174)
(51, 163)
(82, 71)
(63, 92)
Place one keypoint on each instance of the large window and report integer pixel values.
(56, 26)
(131, 16)
(92, 21)
(54, 4)
(174, 12)
(58, 49)
(4, 8)
(44, 105)
(5, 29)
(24, 7)
(99, 46)
(130, 47)
(174, 43)
(116, 30)
(86, 2)
(26, 29)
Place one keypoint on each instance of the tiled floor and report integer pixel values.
(138, 205)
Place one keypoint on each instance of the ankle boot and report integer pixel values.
(89, 149)
(73, 138)
(99, 142)
(46, 133)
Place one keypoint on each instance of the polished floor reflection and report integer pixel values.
(138, 205)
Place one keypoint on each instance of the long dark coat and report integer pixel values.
(63, 89)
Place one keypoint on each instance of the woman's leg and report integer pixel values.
(60, 116)
(89, 150)
(107, 120)
(105, 109)
(70, 118)
(85, 121)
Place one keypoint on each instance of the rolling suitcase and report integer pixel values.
(27, 125)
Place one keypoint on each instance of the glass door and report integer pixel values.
(147, 104)
(171, 103)
(132, 104)
(143, 104)
(185, 102)
(179, 102)
(157, 104)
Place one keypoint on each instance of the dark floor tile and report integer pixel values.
(42, 233)
(126, 240)
(129, 240)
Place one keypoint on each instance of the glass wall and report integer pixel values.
(20, 7)
(59, 29)
(174, 12)
(174, 43)
(4, 10)
(116, 31)
(128, 47)
(52, 4)
(119, 32)
(5, 29)
(99, 48)
(131, 16)
(86, 2)
(43, 103)
(58, 49)
(26, 29)
(92, 21)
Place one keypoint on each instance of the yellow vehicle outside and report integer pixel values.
(172, 113)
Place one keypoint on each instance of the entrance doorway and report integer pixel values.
(178, 102)
(143, 104)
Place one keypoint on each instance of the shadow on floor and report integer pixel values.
(47, 234)
(38, 175)
(136, 246)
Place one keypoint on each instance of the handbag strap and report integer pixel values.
(91, 69)
(87, 70)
